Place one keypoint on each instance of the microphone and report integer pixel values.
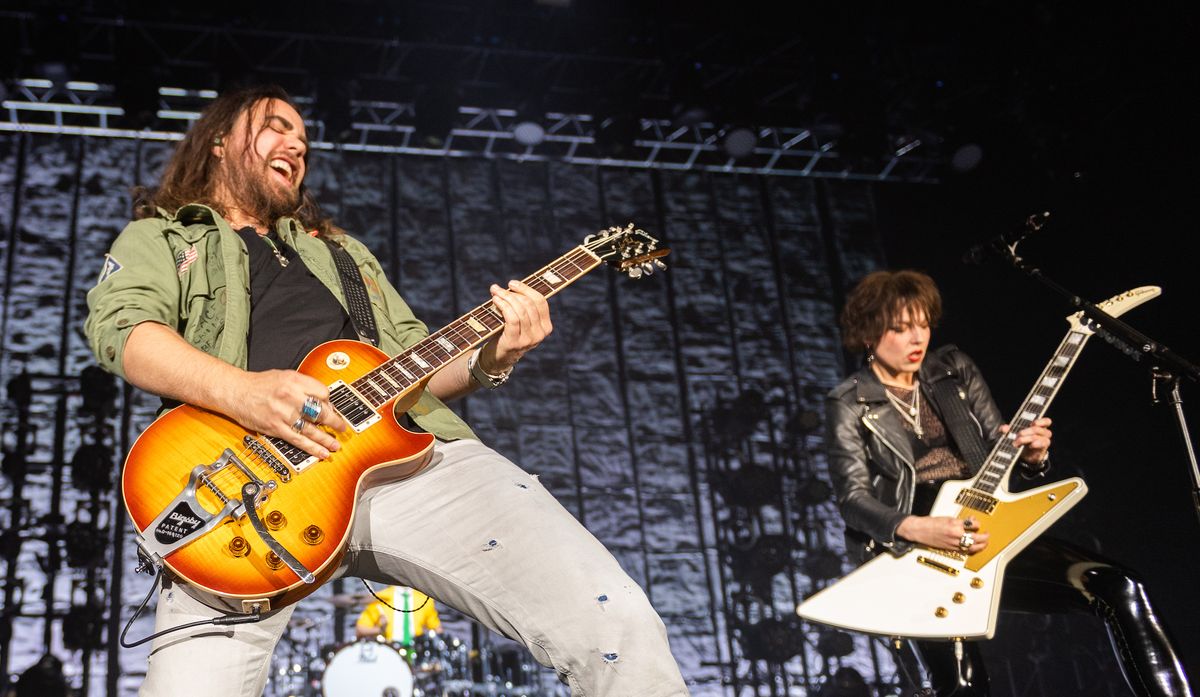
(1005, 242)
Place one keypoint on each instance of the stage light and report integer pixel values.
(83, 628)
(845, 682)
(529, 133)
(833, 643)
(739, 142)
(85, 544)
(734, 422)
(756, 567)
(42, 679)
(99, 391)
(92, 468)
(773, 640)
(966, 157)
(813, 491)
(749, 486)
(822, 564)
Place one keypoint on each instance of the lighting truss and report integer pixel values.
(91, 109)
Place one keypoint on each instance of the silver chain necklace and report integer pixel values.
(910, 411)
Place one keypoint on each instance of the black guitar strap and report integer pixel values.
(962, 427)
(355, 292)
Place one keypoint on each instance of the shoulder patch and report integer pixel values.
(184, 259)
(111, 266)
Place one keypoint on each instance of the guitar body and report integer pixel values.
(225, 574)
(935, 594)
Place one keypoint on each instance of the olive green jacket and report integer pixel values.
(190, 271)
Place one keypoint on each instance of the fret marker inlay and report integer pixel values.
(419, 361)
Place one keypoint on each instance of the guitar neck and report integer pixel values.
(439, 349)
(1004, 455)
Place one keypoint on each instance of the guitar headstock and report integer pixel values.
(633, 251)
(1115, 306)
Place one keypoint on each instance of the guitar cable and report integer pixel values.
(255, 616)
(372, 592)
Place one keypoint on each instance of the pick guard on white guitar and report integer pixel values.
(931, 594)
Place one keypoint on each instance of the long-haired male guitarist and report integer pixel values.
(217, 292)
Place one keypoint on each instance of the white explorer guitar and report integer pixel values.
(931, 593)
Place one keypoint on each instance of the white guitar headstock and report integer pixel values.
(1115, 306)
(631, 250)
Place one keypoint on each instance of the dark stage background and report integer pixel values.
(677, 416)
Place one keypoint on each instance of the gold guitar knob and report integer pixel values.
(977, 582)
(941, 612)
(275, 520)
(959, 598)
(273, 560)
(239, 547)
(313, 535)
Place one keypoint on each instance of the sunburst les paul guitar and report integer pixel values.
(253, 523)
(930, 593)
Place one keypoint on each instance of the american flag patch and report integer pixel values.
(185, 258)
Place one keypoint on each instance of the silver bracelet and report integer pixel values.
(481, 376)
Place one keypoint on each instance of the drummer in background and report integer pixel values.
(411, 614)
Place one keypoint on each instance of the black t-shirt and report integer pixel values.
(291, 311)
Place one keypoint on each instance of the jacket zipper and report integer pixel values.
(900, 456)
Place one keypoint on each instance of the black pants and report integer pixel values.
(1052, 576)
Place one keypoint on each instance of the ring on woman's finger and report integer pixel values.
(298, 425)
(311, 409)
(966, 540)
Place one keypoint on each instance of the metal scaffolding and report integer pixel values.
(92, 109)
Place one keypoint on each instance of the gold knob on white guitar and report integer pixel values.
(959, 598)
(977, 582)
(941, 612)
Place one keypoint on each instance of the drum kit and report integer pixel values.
(435, 664)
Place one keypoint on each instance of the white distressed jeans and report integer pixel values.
(479, 534)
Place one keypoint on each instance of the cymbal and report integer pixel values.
(345, 600)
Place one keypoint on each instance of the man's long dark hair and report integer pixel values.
(191, 173)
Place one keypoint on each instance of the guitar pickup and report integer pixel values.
(977, 501)
(937, 565)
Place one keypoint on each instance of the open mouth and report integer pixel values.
(283, 168)
(915, 356)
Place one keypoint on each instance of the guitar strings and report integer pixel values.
(575, 264)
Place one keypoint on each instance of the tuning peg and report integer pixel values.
(634, 272)
(659, 264)
(648, 268)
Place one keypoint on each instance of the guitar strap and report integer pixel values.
(355, 292)
(953, 405)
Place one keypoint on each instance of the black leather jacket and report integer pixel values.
(870, 454)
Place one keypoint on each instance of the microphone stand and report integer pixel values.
(1168, 369)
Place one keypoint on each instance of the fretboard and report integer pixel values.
(442, 347)
(1004, 456)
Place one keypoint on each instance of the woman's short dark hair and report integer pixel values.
(880, 297)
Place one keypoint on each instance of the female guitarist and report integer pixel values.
(886, 479)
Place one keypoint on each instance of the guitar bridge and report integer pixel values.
(977, 501)
(934, 564)
(185, 519)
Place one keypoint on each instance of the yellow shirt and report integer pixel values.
(401, 626)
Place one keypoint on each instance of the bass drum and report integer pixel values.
(367, 668)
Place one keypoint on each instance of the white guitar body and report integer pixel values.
(935, 594)
(929, 593)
